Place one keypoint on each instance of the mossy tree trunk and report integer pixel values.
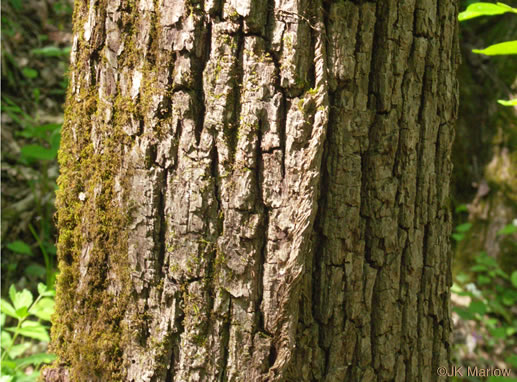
(256, 191)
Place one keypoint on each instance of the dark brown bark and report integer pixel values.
(257, 191)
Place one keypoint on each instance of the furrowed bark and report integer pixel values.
(256, 191)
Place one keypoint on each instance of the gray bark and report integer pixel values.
(256, 191)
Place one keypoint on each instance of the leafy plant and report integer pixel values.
(493, 297)
(38, 154)
(460, 231)
(20, 363)
(484, 9)
(503, 48)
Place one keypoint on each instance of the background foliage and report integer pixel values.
(36, 39)
(36, 36)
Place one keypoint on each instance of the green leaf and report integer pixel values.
(44, 291)
(8, 365)
(477, 307)
(55, 138)
(499, 333)
(21, 299)
(36, 94)
(456, 288)
(501, 379)
(38, 152)
(51, 248)
(464, 313)
(33, 377)
(30, 73)
(508, 47)
(483, 280)
(42, 288)
(491, 322)
(18, 350)
(461, 208)
(6, 378)
(462, 277)
(478, 268)
(484, 9)
(19, 246)
(458, 236)
(32, 329)
(507, 230)
(483, 258)
(6, 340)
(7, 308)
(35, 359)
(51, 51)
(22, 312)
(499, 272)
(510, 102)
(2, 319)
(512, 360)
(35, 270)
(514, 278)
(463, 227)
(43, 309)
(496, 307)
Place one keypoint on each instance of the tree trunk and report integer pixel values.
(256, 191)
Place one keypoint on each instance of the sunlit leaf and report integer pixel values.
(32, 329)
(508, 47)
(510, 102)
(484, 9)
(6, 340)
(7, 308)
(44, 291)
(22, 312)
(20, 299)
(43, 309)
